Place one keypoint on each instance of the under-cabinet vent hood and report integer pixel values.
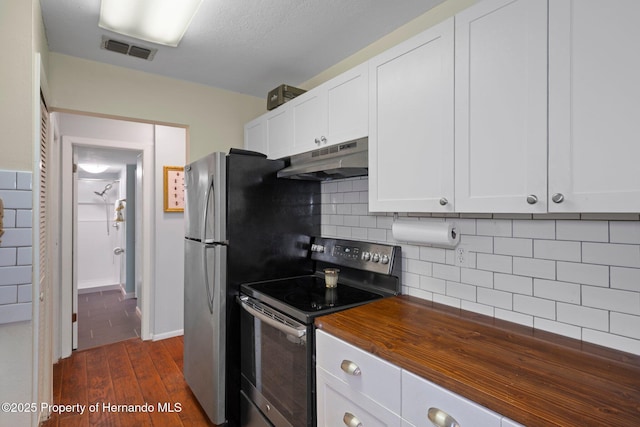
(338, 161)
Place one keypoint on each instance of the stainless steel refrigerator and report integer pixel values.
(242, 224)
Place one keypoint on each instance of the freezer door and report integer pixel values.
(205, 199)
(204, 325)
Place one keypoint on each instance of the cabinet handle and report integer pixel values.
(350, 368)
(323, 139)
(557, 198)
(317, 141)
(439, 418)
(350, 420)
(443, 201)
(532, 199)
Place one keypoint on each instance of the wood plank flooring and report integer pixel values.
(132, 372)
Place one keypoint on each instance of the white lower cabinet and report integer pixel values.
(355, 388)
(422, 400)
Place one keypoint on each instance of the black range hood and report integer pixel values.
(346, 160)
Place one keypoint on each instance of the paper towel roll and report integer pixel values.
(442, 234)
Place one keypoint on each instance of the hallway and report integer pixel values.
(128, 373)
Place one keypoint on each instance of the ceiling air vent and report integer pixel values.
(127, 49)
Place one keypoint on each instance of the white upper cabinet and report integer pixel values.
(594, 106)
(501, 107)
(279, 123)
(411, 124)
(334, 112)
(255, 135)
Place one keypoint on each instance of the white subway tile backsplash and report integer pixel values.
(497, 263)
(556, 249)
(24, 181)
(494, 227)
(16, 237)
(537, 307)
(571, 331)
(582, 316)
(625, 232)
(625, 278)
(446, 272)
(611, 299)
(534, 229)
(513, 246)
(514, 284)
(8, 257)
(532, 267)
(611, 254)
(611, 340)
(587, 274)
(585, 231)
(577, 275)
(495, 298)
(23, 218)
(8, 295)
(558, 291)
(476, 277)
(24, 293)
(8, 180)
(15, 312)
(17, 275)
(14, 199)
(9, 220)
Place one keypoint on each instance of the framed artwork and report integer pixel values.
(173, 189)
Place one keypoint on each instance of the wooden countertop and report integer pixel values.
(533, 377)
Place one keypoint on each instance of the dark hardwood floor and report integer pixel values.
(105, 317)
(131, 372)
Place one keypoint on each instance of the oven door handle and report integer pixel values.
(267, 316)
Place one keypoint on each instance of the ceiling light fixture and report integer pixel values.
(93, 167)
(158, 21)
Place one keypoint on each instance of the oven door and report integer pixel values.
(276, 361)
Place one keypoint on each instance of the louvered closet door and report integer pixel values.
(45, 311)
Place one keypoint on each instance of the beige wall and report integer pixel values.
(214, 117)
(429, 19)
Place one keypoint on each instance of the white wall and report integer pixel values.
(576, 275)
(169, 268)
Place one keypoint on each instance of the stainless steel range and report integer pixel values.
(277, 333)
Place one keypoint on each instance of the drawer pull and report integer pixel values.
(351, 420)
(350, 368)
(439, 418)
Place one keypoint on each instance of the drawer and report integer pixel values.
(377, 379)
(419, 395)
(336, 404)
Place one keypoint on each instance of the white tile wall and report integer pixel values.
(574, 275)
(16, 246)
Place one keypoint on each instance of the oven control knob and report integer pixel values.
(375, 258)
(366, 256)
(384, 259)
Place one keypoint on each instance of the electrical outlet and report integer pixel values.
(461, 257)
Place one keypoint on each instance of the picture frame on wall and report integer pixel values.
(173, 188)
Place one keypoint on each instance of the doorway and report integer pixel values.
(106, 222)
(73, 148)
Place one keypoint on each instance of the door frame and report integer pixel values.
(66, 234)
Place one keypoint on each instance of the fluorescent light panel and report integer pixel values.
(158, 21)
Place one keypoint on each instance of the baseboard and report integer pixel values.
(115, 287)
(164, 336)
(126, 295)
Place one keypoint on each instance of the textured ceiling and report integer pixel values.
(246, 46)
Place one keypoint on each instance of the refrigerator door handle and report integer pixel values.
(205, 213)
(207, 285)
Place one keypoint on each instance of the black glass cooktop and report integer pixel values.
(309, 295)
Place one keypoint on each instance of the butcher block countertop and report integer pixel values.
(533, 377)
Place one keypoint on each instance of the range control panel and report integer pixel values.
(368, 256)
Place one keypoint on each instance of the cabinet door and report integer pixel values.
(411, 124)
(309, 121)
(594, 108)
(338, 405)
(255, 135)
(501, 107)
(279, 132)
(348, 105)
